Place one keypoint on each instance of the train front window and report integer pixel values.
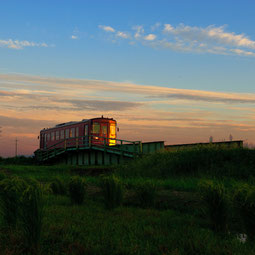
(112, 130)
(96, 128)
(104, 130)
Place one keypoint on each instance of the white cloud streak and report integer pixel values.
(107, 28)
(18, 45)
(182, 38)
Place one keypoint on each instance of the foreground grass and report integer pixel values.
(176, 224)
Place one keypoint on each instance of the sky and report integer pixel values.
(174, 71)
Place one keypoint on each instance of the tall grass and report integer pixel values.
(57, 186)
(244, 200)
(217, 204)
(146, 193)
(197, 161)
(112, 191)
(32, 215)
(10, 191)
(77, 190)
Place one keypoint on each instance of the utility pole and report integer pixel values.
(16, 147)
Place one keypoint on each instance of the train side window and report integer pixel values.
(72, 132)
(62, 134)
(77, 131)
(52, 136)
(57, 135)
(67, 133)
(86, 130)
(96, 128)
(48, 136)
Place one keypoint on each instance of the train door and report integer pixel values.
(104, 132)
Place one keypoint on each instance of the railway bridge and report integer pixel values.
(85, 151)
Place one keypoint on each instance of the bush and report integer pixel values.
(2, 176)
(244, 200)
(57, 187)
(77, 190)
(31, 206)
(217, 203)
(10, 191)
(146, 193)
(112, 191)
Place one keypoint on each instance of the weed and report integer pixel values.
(216, 201)
(146, 193)
(58, 187)
(244, 200)
(112, 191)
(32, 215)
(77, 190)
(10, 190)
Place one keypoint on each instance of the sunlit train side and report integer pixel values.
(97, 131)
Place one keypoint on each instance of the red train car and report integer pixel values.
(97, 131)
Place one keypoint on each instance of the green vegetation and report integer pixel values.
(112, 191)
(195, 201)
(216, 200)
(77, 190)
(244, 200)
(146, 193)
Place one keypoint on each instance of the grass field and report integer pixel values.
(175, 220)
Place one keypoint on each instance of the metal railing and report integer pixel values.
(121, 147)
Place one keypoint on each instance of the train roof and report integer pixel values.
(74, 122)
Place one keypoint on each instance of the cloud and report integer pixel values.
(139, 31)
(18, 45)
(150, 37)
(103, 105)
(107, 28)
(210, 34)
(30, 103)
(122, 35)
(74, 37)
(183, 38)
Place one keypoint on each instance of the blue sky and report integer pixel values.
(181, 65)
(94, 56)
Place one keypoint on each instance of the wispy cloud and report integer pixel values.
(18, 45)
(107, 28)
(150, 37)
(183, 38)
(75, 34)
(30, 103)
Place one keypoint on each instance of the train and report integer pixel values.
(96, 131)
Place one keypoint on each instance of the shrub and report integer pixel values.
(2, 176)
(10, 190)
(216, 201)
(244, 200)
(31, 205)
(77, 190)
(112, 191)
(146, 193)
(57, 187)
